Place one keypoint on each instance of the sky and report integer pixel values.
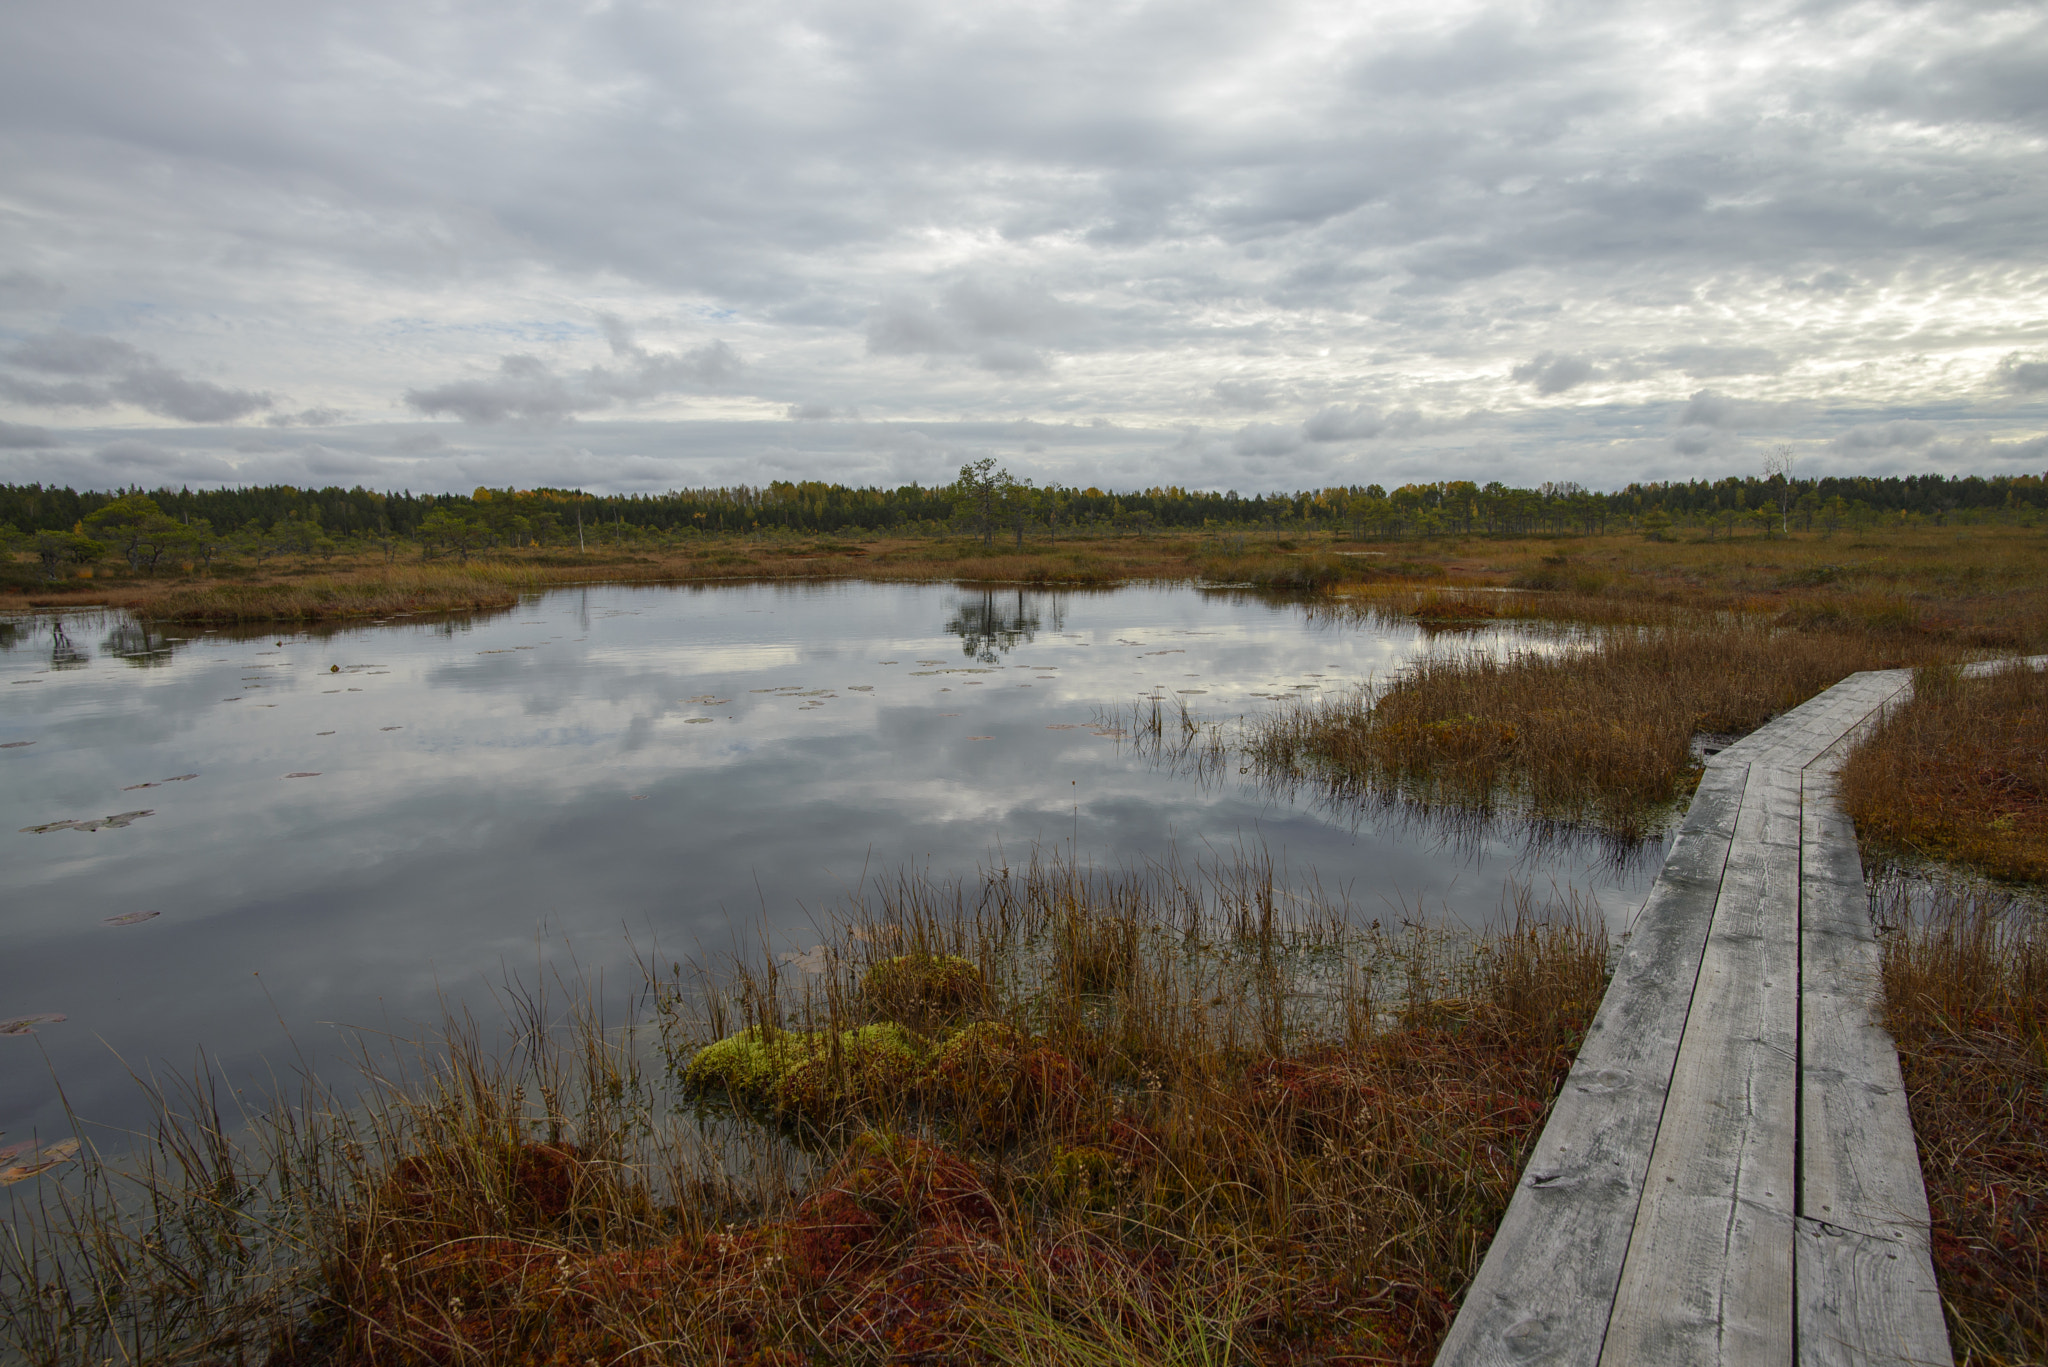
(635, 247)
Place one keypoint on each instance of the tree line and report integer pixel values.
(147, 526)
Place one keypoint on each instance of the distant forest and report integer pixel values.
(553, 516)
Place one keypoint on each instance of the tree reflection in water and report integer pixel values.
(994, 624)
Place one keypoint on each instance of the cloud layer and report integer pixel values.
(1288, 242)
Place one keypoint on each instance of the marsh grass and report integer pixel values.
(1595, 728)
(1966, 999)
(1186, 1117)
(1959, 774)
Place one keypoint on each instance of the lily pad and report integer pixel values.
(813, 960)
(25, 1025)
(304, 774)
(110, 823)
(130, 918)
(391, 728)
(16, 744)
(46, 1159)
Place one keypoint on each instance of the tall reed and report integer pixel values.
(1966, 999)
(1594, 729)
(1050, 1114)
(1959, 773)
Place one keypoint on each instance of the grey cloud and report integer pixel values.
(648, 375)
(1254, 395)
(2028, 374)
(1900, 432)
(1554, 372)
(128, 375)
(161, 390)
(524, 388)
(1714, 362)
(307, 417)
(1707, 408)
(1266, 439)
(527, 388)
(22, 290)
(1002, 329)
(1339, 423)
(1368, 184)
(18, 437)
(327, 462)
(64, 352)
(135, 459)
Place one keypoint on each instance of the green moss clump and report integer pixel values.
(877, 1064)
(798, 1075)
(927, 992)
(748, 1066)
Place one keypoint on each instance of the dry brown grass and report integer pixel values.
(1185, 1126)
(1598, 730)
(1959, 774)
(1966, 997)
(1981, 587)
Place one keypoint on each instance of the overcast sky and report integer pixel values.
(1269, 246)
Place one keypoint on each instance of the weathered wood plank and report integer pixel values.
(1543, 1293)
(1708, 1274)
(1865, 1276)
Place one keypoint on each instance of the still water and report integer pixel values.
(358, 827)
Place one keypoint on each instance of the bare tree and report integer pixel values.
(1778, 466)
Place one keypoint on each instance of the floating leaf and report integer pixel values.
(130, 918)
(25, 1025)
(303, 774)
(639, 797)
(391, 728)
(16, 744)
(813, 960)
(696, 721)
(133, 786)
(1063, 726)
(860, 688)
(49, 1158)
(323, 733)
(180, 778)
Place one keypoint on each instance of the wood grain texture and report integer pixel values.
(1864, 1272)
(1708, 1275)
(1729, 1175)
(1543, 1293)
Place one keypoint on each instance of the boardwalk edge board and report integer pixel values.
(1729, 1174)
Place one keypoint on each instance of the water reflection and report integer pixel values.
(64, 652)
(362, 823)
(995, 623)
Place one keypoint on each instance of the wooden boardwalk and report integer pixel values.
(1729, 1175)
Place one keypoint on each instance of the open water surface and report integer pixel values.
(358, 827)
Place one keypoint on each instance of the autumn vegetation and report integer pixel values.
(1055, 1117)
(1045, 1116)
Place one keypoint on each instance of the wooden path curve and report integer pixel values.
(1729, 1174)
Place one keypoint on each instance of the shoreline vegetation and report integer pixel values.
(1086, 1124)
(1044, 1116)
